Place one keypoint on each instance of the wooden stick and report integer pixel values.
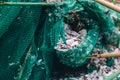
(26, 4)
(116, 1)
(105, 55)
(109, 5)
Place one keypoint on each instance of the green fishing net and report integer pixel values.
(92, 16)
(77, 56)
(17, 30)
(29, 34)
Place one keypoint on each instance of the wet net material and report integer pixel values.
(28, 36)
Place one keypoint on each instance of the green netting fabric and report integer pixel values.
(26, 48)
(106, 23)
(7, 17)
(27, 39)
(93, 16)
(77, 56)
(17, 28)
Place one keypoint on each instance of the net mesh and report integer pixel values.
(17, 29)
(92, 16)
(28, 36)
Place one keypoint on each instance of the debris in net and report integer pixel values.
(73, 38)
(100, 71)
(99, 66)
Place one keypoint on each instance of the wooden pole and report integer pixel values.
(109, 5)
(105, 55)
(26, 4)
(116, 1)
